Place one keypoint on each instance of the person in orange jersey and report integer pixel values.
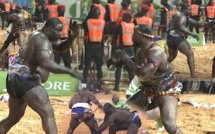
(122, 39)
(52, 8)
(141, 17)
(210, 17)
(65, 33)
(94, 45)
(125, 8)
(196, 13)
(112, 12)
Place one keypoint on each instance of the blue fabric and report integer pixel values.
(136, 119)
(79, 110)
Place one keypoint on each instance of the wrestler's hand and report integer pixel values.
(76, 74)
(196, 37)
(121, 55)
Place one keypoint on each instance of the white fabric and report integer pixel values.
(81, 85)
(84, 105)
(133, 86)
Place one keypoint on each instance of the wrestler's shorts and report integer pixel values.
(82, 114)
(136, 119)
(17, 85)
(174, 39)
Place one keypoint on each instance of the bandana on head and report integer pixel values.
(144, 34)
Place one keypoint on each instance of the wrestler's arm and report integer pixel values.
(94, 100)
(180, 25)
(195, 23)
(43, 56)
(107, 122)
(72, 101)
(147, 70)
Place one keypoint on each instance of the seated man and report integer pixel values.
(119, 119)
(81, 110)
(119, 103)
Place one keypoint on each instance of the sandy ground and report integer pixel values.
(190, 119)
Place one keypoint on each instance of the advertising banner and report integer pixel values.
(57, 84)
(195, 42)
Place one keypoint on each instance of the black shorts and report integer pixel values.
(174, 39)
(17, 85)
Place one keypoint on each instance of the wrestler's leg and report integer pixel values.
(72, 126)
(186, 49)
(118, 73)
(92, 124)
(132, 129)
(16, 111)
(172, 54)
(37, 98)
(168, 109)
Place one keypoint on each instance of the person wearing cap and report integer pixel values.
(112, 12)
(52, 8)
(122, 39)
(151, 11)
(159, 86)
(141, 16)
(166, 14)
(65, 33)
(125, 8)
(80, 105)
(119, 120)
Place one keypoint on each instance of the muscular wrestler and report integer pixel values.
(19, 21)
(177, 34)
(80, 104)
(24, 80)
(119, 119)
(159, 87)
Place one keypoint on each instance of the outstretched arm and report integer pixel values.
(94, 100)
(44, 55)
(195, 23)
(181, 26)
(107, 122)
(145, 71)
